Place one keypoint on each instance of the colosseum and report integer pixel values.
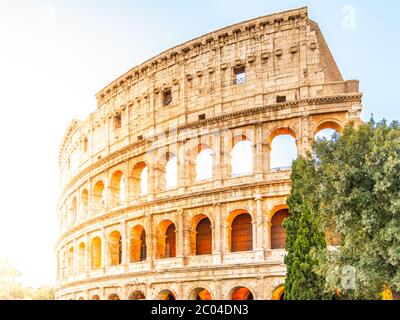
(141, 218)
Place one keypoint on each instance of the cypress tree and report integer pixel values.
(304, 236)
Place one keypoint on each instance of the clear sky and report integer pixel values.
(55, 55)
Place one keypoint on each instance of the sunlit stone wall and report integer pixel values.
(175, 187)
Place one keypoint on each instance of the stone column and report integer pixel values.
(104, 248)
(75, 266)
(267, 164)
(107, 195)
(90, 209)
(268, 233)
(258, 156)
(304, 141)
(150, 254)
(217, 159)
(157, 173)
(259, 228)
(180, 238)
(182, 165)
(87, 255)
(218, 295)
(186, 242)
(217, 243)
(124, 244)
(78, 209)
(152, 180)
(127, 185)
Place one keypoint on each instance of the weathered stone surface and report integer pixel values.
(176, 103)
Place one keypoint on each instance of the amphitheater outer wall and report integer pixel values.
(251, 81)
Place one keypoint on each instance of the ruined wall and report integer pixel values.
(251, 81)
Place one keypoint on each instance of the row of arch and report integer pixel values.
(201, 169)
(236, 293)
(239, 237)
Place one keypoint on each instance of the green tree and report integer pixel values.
(304, 236)
(359, 198)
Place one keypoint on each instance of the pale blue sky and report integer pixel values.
(56, 55)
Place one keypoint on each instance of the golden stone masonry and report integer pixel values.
(140, 220)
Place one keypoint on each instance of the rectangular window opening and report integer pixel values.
(167, 98)
(202, 117)
(239, 75)
(117, 121)
(280, 99)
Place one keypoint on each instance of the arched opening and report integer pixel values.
(241, 156)
(171, 172)
(81, 257)
(115, 248)
(170, 242)
(278, 234)
(242, 293)
(117, 189)
(140, 177)
(283, 150)
(113, 297)
(200, 294)
(326, 134)
(84, 203)
(144, 181)
(166, 240)
(71, 261)
(81, 298)
(98, 197)
(138, 248)
(95, 297)
(204, 164)
(279, 293)
(203, 244)
(73, 210)
(242, 233)
(327, 130)
(95, 253)
(137, 295)
(166, 295)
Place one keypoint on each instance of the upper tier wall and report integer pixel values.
(283, 54)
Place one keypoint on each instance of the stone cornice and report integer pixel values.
(132, 275)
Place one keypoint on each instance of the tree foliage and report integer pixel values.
(354, 192)
(359, 175)
(12, 289)
(304, 237)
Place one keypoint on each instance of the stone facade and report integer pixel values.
(251, 81)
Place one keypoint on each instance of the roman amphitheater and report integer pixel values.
(169, 190)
